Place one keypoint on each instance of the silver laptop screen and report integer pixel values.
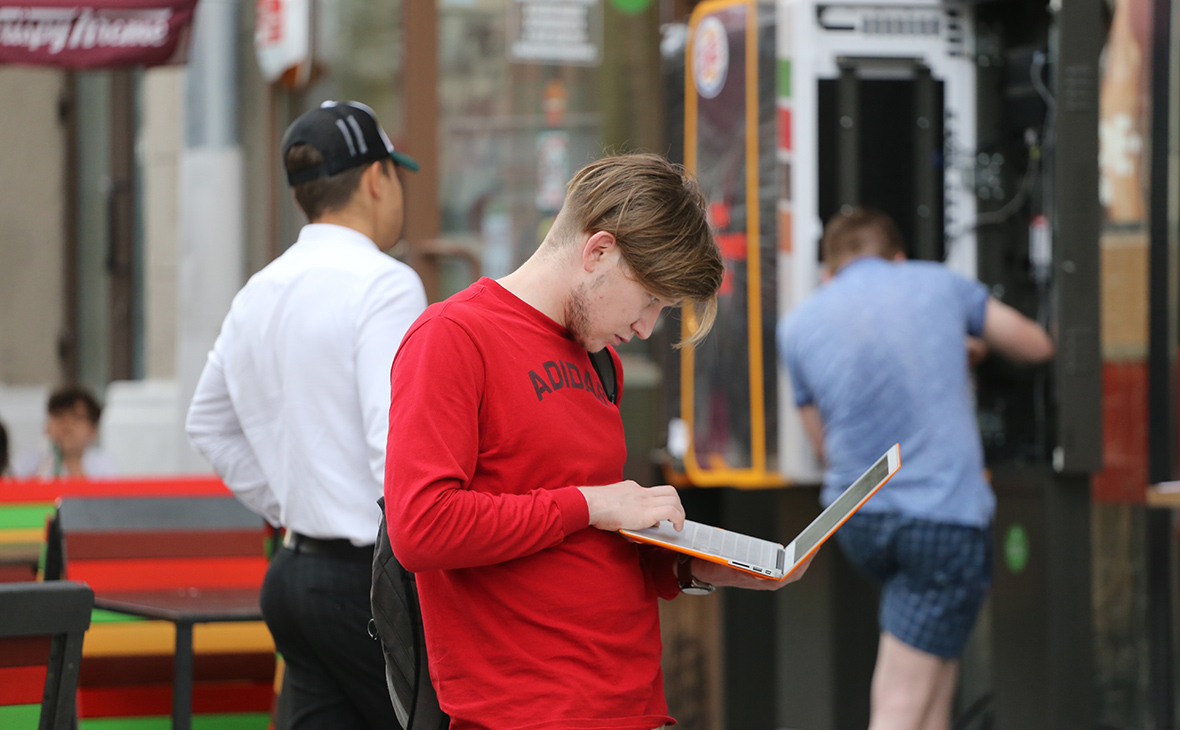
(837, 510)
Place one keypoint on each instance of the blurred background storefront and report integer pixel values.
(138, 199)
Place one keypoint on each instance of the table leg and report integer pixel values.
(182, 678)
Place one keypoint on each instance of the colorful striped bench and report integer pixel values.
(125, 680)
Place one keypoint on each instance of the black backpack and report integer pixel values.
(397, 618)
(397, 615)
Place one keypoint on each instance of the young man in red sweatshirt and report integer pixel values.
(503, 482)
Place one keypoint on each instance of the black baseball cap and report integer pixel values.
(347, 134)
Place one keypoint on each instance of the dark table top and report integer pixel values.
(192, 605)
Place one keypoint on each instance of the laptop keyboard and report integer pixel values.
(735, 546)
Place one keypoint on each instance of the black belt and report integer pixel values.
(339, 549)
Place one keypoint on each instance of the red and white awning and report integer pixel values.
(95, 33)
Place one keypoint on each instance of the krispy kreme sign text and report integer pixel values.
(107, 34)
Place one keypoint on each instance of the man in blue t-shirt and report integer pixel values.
(877, 356)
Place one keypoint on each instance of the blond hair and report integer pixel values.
(859, 232)
(656, 212)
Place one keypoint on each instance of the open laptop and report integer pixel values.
(764, 558)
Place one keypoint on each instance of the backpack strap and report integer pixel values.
(604, 365)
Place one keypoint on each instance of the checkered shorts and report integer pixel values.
(933, 576)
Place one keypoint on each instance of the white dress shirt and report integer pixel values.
(292, 408)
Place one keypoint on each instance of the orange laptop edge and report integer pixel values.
(763, 558)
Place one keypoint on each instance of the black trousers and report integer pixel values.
(317, 608)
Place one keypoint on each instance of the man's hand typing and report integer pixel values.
(627, 505)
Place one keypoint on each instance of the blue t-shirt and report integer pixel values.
(880, 350)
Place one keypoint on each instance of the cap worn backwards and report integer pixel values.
(346, 134)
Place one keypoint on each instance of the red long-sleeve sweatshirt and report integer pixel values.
(533, 619)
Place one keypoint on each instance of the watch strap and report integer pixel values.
(688, 582)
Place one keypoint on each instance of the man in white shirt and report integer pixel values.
(293, 405)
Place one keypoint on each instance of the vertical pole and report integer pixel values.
(1164, 329)
(272, 166)
(848, 136)
(1042, 598)
(927, 120)
(1075, 42)
(212, 250)
(1164, 318)
(120, 264)
(422, 123)
(67, 342)
(182, 678)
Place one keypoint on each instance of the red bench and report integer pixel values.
(26, 505)
(127, 662)
(178, 560)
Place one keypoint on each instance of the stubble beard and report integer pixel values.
(577, 316)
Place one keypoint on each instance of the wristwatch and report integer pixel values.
(689, 584)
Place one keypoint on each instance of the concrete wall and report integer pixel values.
(32, 250)
(22, 408)
(31, 225)
(161, 137)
